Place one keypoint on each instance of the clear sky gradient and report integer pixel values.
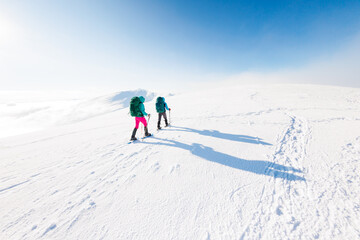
(166, 44)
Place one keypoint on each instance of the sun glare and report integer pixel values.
(8, 31)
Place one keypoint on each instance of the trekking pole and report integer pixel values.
(148, 121)
(146, 125)
(169, 117)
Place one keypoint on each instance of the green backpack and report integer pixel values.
(160, 105)
(135, 107)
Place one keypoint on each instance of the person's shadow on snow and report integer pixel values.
(217, 134)
(259, 167)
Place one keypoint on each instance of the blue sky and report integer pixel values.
(152, 44)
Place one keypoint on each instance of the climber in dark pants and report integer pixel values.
(161, 108)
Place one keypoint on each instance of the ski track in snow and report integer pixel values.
(278, 206)
(283, 202)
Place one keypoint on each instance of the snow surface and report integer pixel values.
(239, 162)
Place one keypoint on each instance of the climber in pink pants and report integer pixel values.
(137, 110)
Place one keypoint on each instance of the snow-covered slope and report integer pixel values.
(239, 162)
(28, 112)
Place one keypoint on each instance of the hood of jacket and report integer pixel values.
(142, 99)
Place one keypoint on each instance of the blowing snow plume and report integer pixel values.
(104, 104)
(24, 114)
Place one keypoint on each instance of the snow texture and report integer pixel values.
(239, 162)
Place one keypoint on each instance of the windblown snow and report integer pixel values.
(239, 162)
(33, 111)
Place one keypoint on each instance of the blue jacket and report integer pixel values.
(141, 106)
(166, 106)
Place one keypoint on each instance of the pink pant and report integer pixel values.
(138, 120)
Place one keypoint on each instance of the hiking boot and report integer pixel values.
(133, 138)
(166, 123)
(158, 125)
(147, 134)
